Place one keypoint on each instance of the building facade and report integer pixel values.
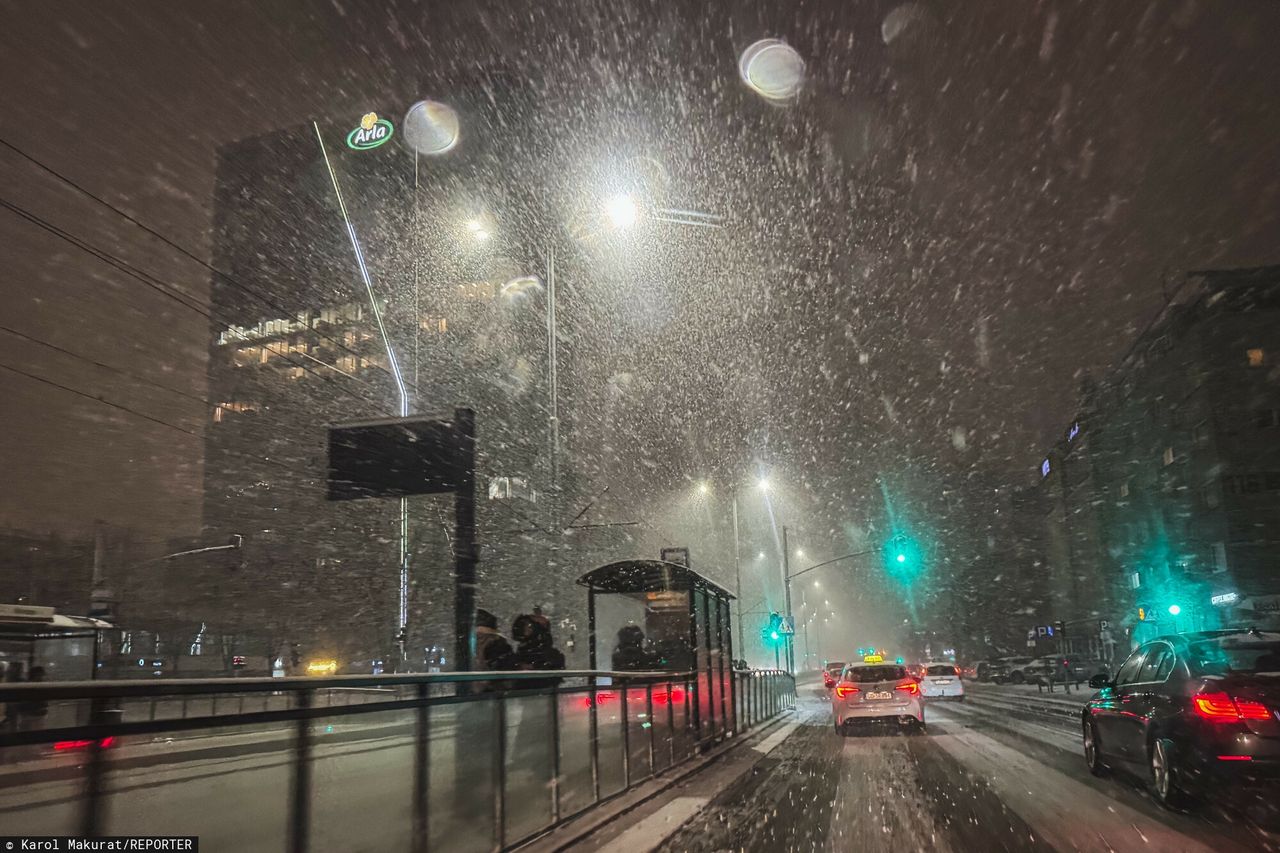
(1162, 499)
(438, 309)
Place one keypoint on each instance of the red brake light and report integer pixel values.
(843, 690)
(1221, 708)
(1250, 710)
(910, 686)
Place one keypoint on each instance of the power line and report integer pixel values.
(160, 286)
(167, 241)
(104, 366)
(98, 399)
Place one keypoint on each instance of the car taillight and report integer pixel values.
(909, 686)
(72, 745)
(843, 690)
(828, 680)
(1221, 708)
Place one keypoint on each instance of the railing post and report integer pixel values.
(555, 757)
(626, 737)
(648, 716)
(421, 771)
(300, 807)
(91, 816)
(500, 765)
(595, 743)
(671, 723)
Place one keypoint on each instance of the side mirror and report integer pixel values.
(1098, 682)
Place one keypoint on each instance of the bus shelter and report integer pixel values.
(65, 647)
(650, 615)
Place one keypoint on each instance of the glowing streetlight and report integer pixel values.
(764, 484)
(1174, 610)
(760, 556)
(799, 553)
(621, 210)
(703, 488)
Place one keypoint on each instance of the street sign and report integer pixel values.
(679, 556)
(1103, 625)
(787, 625)
(395, 457)
(1031, 633)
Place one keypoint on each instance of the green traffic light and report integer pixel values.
(902, 558)
(773, 635)
(1174, 610)
(900, 661)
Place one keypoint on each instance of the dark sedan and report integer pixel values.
(1196, 714)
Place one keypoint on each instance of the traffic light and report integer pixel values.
(772, 633)
(902, 558)
(1174, 610)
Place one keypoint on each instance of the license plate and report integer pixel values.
(880, 695)
(942, 681)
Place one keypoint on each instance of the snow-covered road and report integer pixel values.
(1002, 771)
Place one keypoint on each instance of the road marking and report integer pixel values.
(770, 743)
(649, 833)
(1053, 803)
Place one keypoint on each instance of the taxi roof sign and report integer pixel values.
(873, 658)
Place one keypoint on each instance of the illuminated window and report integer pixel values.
(435, 324)
(1257, 356)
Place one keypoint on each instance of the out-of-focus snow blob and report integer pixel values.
(431, 127)
(901, 20)
(518, 287)
(773, 69)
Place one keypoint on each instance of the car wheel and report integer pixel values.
(1164, 773)
(1093, 750)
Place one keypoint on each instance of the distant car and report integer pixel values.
(1011, 670)
(941, 681)
(986, 670)
(1084, 669)
(831, 672)
(1198, 714)
(882, 692)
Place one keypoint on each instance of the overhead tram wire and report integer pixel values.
(165, 288)
(99, 399)
(263, 298)
(105, 366)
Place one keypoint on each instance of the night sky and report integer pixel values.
(971, 207)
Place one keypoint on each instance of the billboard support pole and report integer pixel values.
(464, 541)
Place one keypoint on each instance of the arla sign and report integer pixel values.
(371, 133)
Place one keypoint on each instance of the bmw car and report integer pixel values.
(1196, 714)
(884, 693)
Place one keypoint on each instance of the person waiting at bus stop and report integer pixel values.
(630, 654)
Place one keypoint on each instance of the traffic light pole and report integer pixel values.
(786, 584)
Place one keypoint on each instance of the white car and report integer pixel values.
(881, 692)
(941, 681)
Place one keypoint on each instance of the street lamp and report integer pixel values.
(763, 484)
(622, 211)
(703, 488)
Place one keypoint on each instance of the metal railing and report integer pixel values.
(466, 761)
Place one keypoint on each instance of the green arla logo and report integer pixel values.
(371, 133)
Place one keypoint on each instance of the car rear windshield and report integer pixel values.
(833, 668)
(1226, 656)
(864, 674)
(940, 669)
